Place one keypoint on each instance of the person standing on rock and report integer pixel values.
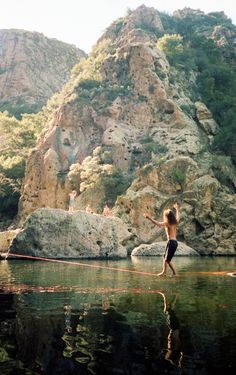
(106, 210)
(72, 196)
(170, 222)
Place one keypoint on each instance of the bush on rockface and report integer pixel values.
(178, 177)
(9, 196)
(171, 45)
(115, 185)
(224, 170)
(17, 138)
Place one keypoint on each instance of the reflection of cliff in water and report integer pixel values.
(5, 272)
(8, 347)
(102, 341)
(91, 338)
(87, 330)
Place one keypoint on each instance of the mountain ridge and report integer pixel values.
(32, 68)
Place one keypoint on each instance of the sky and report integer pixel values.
(82, 22)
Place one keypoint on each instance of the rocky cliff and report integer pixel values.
(32, 69)
(133, 131)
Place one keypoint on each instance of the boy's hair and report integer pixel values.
(170, 216)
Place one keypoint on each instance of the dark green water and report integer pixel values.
(65, 319)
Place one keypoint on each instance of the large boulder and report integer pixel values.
(157, 248)
(205, 119)
(55, 233)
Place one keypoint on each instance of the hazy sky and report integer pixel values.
(82, 22)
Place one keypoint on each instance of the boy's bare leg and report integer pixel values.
(163, 272)
(172, 268)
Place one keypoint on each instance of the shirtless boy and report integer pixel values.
(170, 222)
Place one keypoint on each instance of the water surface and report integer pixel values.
(58, 318)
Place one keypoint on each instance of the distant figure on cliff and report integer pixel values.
(106, 210)
(89, 209)
(72, 196)
(170, 222)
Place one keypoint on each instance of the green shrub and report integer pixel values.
(9, 196)
(146, 26)
(188, 109)
(223, 170)
(171, 45)
(150, 146)
(88, 84)
(18, 137)
(178, 176)
(115, 185)
(118, 25)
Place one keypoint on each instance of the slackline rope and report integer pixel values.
(229, 272)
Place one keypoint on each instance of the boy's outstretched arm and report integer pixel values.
(176, 206)
(158, 223)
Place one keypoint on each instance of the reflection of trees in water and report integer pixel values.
(124, 333)
(7, 332)
(7, 319)
(101, 340)
(96, 334)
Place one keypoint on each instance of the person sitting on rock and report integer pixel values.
(89, 209)
(170, 222)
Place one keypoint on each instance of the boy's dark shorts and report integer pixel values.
(171, 247)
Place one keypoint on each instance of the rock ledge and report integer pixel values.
(157, 248)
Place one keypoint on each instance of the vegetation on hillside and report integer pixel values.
(17, 139)
(187, 47)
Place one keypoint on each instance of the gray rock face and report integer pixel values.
(33, 68)
(55, 233)
(157, 248)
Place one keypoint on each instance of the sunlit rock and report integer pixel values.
(55, 233)
(158, 248)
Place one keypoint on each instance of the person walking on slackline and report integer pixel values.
(170, 223)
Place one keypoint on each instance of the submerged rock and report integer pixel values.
(55, 233)
(157, 248)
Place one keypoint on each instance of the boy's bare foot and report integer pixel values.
(161, 274)
(173, 275)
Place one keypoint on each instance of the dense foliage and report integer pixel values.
(115, 185)
(189, 45)
(17, 138)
